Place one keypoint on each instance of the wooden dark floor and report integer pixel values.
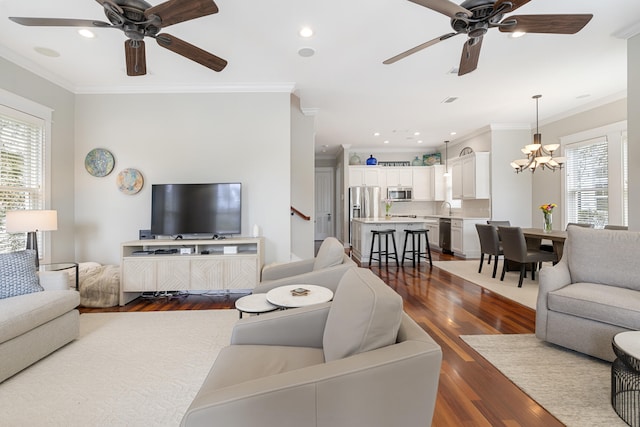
(471, 392)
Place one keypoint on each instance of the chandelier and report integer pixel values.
(537, 154)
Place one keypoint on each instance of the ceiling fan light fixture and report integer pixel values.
(517, 34)
(86, 33)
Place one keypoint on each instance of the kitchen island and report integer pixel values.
(464, 238)
(362, 227)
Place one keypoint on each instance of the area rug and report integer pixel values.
(468, 270)
(126, 369)
(575, 388)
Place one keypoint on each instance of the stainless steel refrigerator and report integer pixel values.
(364, 202)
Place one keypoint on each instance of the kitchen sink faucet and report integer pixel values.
(444, 205)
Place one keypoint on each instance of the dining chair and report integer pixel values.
(499, 223)
(489, 244)
(515, 249)
(616, 227)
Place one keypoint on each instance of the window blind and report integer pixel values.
(21, 170)
(587, 181)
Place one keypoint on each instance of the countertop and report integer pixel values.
(420, 219)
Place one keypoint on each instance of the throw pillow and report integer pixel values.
(18, 274)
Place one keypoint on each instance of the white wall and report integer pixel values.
(17, 80)
(547, 185)
(510, 192)
(182, 138)
(302, 168)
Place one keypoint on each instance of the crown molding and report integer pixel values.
(36, 69)
(195, 88)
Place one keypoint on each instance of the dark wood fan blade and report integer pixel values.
(191, 52)
(550, 24)
(514, 4)
(445, 7)
(174, 11)
(58, 22)
(134, 52)
(470, 56)
(418, 48)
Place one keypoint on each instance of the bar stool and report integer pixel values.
(380, 252)
(415, 247)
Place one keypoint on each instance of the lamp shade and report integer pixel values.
(31, 220)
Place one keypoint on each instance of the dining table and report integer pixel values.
(534, 237)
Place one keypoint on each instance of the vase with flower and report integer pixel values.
(387, 207)
(547, 214)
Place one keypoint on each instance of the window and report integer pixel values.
(595, 185)
(587, 182)
(22, 143)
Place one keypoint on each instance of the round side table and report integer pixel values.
(625, 377)
(254, 304)
(282, 296)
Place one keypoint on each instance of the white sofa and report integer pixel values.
(35, 324)
(356, 361)
(593, 293)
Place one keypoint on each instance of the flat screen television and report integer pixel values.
(196, 209)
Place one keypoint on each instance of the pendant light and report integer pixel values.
(537, 154)
(446, 157)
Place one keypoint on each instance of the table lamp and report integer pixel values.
(32, 221)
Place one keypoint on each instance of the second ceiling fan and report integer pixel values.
(475, 17)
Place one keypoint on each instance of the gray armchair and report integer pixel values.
(326, 269)
(356, 361)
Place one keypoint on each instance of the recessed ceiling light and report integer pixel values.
(453, 133)
(517, 34)
(306, 32)
(386, 142)
(306, 52)
(47, 52)
(376, 134)
(416, 133)
(86, 33)
(419, 141)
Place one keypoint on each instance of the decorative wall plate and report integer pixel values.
(99, 162)
(130, 181)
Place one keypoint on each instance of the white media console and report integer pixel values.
(189, 265)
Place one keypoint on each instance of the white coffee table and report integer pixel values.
(254, 304)
(282, 297)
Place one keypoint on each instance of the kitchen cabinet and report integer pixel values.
(428, 183)
(434, 234)
(398, 177)
(464, 237)
(364, 175)
(471, 176)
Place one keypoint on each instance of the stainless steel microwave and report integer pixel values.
(400, 194)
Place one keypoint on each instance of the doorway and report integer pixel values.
(324, 206)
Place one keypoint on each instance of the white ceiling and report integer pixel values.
(345, 84)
